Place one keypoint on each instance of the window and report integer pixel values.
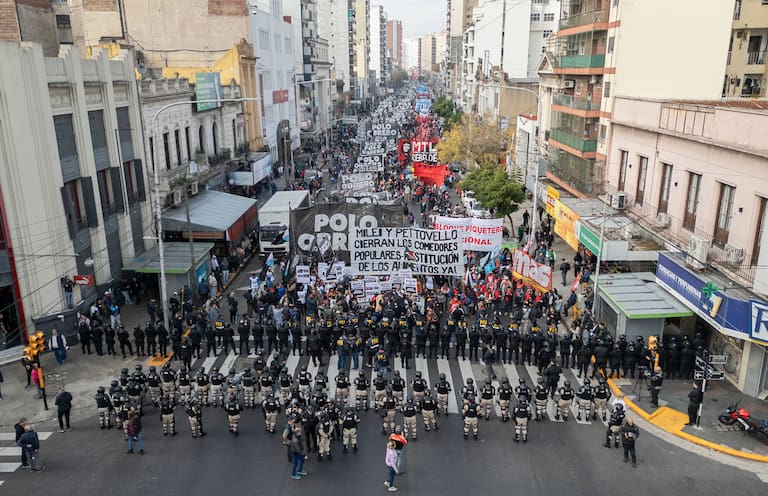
(611, 42)
(547, 33)
(152, 152)
(63, 22)
(641, 174)
(263, 39)
(543, 49)
(724, 214)
(759, 230)
(287, 45)
(666, 180)
(277, 43)
(549, 17)
(607, 89)
(603, 131)
(201, 138)
(623, 168)
(186, 141)
(692, 201)
(535, 17)
(167, 151)
(130, 182)
(177, 139)
(267, 80)
(107, 202)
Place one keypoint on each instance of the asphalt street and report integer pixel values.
(559, 457)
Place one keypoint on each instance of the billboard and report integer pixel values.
(207, 87)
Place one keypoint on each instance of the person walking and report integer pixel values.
(629, 434)
(63, 404)
(391, 461)
(133, 429)
(58, 344)
(297, 454)
(29, 443)
(695, 398)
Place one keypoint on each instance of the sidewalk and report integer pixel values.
(672, 415)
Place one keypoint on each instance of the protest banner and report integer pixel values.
(531, 272)
(476, 234)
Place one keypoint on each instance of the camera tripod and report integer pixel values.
(642, 380)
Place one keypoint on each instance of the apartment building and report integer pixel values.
(395, 42)
(336, 23)
(745, 76)
(379, 59)
(603, 50)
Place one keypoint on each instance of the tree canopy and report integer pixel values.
(472, 142)
(445, 108)
(494, 189)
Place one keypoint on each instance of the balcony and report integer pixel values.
(582, 18)
(575, 102)
(756, 58)
(566, 137)
(581, 61)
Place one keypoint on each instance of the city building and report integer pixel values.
(313, 71)
(336, 23)
(459, 18)
(379, 58)
(746, 73)
(362, 40)
(74, 186)
(35, 21)
(603, 50)
(410, 53)
(692, 174)
(431, 47)
(274, 47)
(395, 42)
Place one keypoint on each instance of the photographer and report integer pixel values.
(629, 434)
(655, 380)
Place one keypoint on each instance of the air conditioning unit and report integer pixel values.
(569, 83)
(734, 255)
(630, 232)
(698, 252)
(617, 200)
(663, 219)
(176, 198)
(194, 188)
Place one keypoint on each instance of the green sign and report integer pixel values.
(207, 87)
(589, 239)
(709, 289)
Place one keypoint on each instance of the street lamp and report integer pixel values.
(158, 204)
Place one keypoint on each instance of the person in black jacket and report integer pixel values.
(20, 429)
(63, 404)
(30, 443)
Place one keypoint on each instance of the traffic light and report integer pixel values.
(36, 344)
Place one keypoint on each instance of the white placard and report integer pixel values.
(302, 274)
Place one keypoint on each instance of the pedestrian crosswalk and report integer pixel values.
(456, 371)
(10, 454)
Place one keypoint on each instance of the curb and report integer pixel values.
(672, 421)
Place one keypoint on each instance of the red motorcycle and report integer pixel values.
(741, 417)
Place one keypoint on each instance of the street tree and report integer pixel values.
(495, 190)
(445, 108)
(473, 142)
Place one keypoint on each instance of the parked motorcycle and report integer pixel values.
(741, 417)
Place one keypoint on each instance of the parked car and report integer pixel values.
(479, 211)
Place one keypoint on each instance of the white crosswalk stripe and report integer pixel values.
(10, 451)
(9, 467)
(311, 368)
(292, 363)
(229, 361)
(443, 367)
(333, 371)
(552, 405)
(466, 373)
(14, 452)
(208, 363)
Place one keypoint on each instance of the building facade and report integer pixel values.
(336, 23)
(70, 138)
(395, 42)
(362, 40)
(273, 41)
(379, 59)
(747, 70)
(693, 173)
(603, 50)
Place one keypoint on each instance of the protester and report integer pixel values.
(63, 404)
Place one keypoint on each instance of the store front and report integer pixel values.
(734, 323)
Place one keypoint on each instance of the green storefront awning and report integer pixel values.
(638, 296)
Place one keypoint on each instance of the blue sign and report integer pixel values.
(759, 321)
(720, 310)
(423, 106)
